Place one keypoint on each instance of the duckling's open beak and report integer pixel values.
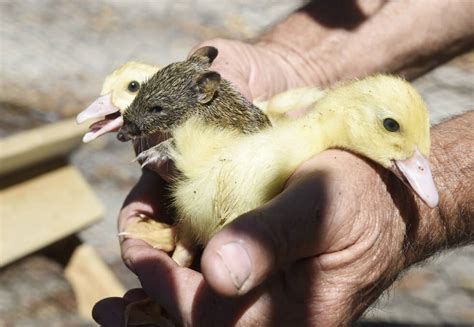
(416, 172)
(103, 108)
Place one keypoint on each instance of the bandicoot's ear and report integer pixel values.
(204, 55)
(207, 85)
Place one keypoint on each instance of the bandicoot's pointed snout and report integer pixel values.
(122, 137)
(128, 131)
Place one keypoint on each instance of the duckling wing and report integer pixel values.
(293, 100)
(238, 174)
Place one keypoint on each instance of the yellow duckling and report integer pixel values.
(118, 91)
(225, 174)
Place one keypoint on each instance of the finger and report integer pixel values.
(183, 293)
(240, 256)
(144, 199)
(286, 229)
(135, 294)
(110, 312)
(168, 284)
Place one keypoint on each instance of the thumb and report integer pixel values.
(243, 254)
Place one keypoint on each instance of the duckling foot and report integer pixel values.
(159, 235)
(183, 254)
(145, 312)
(157, 156)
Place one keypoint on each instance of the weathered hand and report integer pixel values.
(319, 253)
(147, 198)
(259, 71)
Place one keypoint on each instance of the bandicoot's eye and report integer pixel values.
(156, 109)
(391, 125)
(133, 86)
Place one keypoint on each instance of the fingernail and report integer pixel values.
(237, 262)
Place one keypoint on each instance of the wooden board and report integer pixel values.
(39, 211)
(91, 279)
(31, 147)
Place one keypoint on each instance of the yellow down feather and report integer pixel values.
(294, 99)
(117, 82)
(225, 174)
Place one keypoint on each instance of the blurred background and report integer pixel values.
(54, 57)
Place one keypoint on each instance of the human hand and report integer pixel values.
(146, 199)
(319, 253)
(258, 70)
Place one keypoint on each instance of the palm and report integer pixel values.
(330, 242)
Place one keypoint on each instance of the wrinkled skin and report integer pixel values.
(326, 250)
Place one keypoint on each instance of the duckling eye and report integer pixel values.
(133, 86)
(156, 109)
(391, 125)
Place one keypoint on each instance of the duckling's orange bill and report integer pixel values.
(102, 107)
(417, 173)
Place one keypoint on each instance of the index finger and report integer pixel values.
(145, 199)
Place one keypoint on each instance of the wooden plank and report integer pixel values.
(31, 147)
(39, 211)
(91, 279)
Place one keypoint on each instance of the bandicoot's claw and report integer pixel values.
(147, 162)
(141, 156)
(153, 158)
